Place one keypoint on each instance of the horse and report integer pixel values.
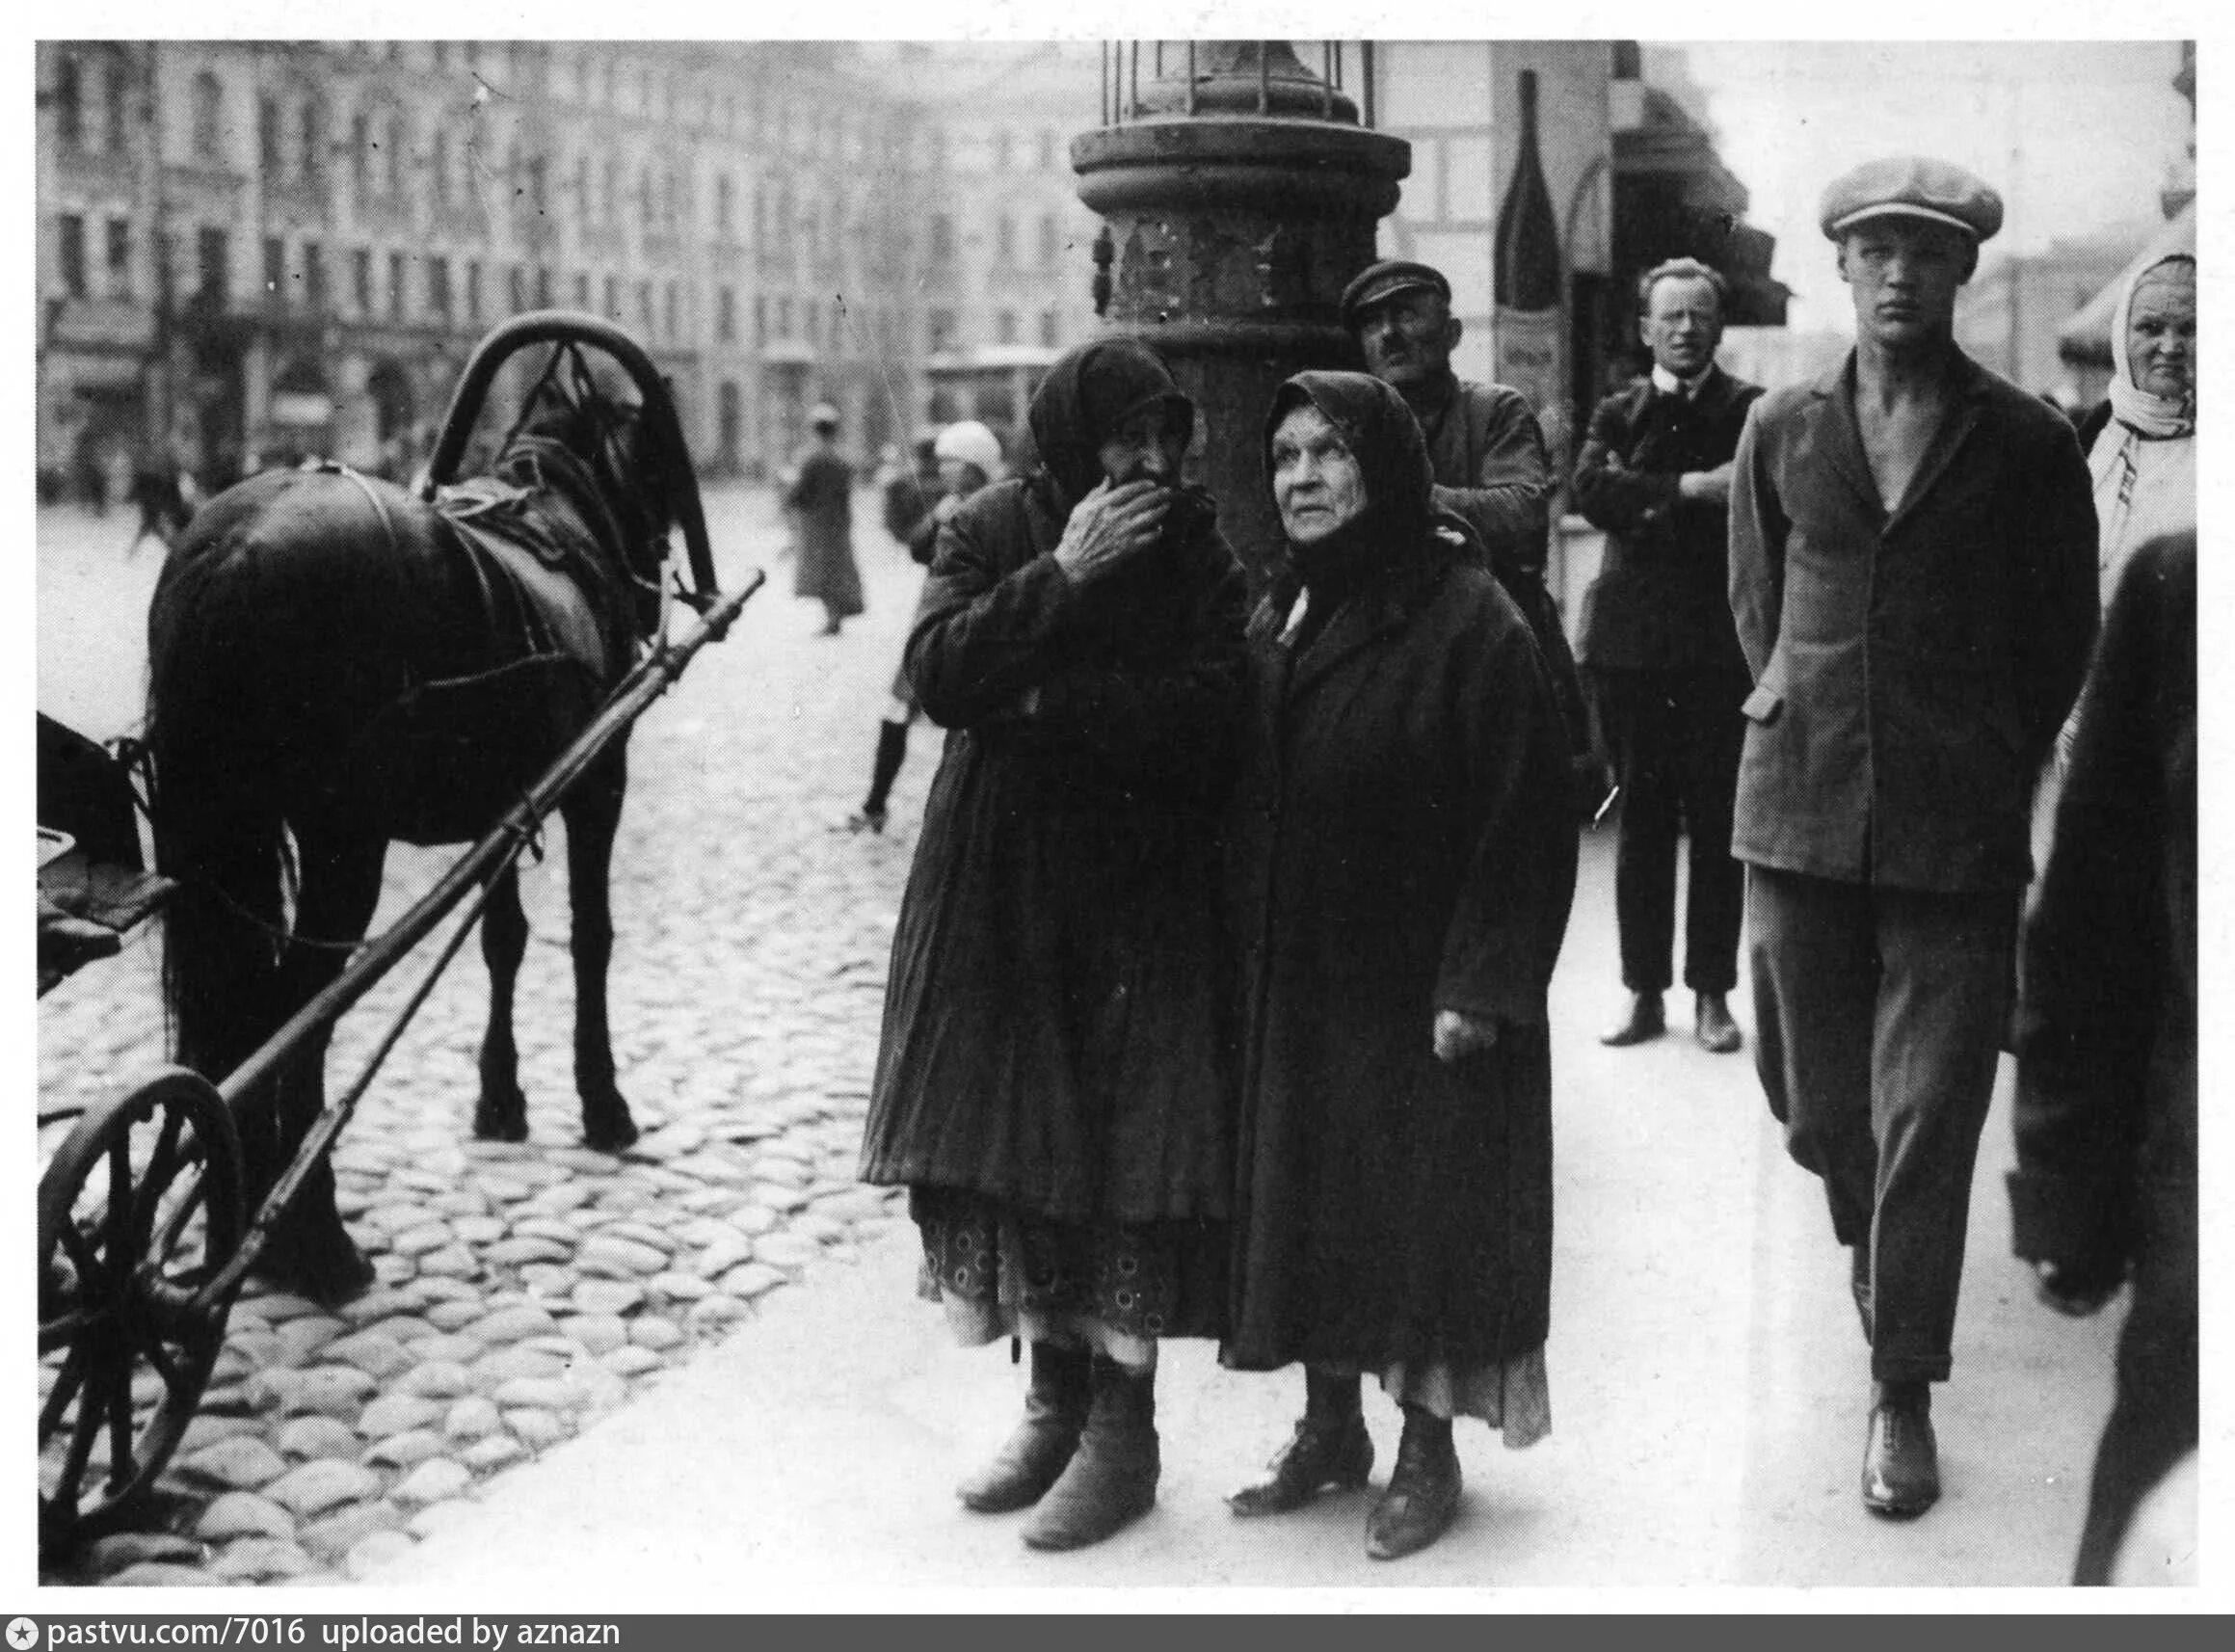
(334, 664)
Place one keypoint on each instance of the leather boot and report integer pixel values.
(1646, 1020)
(1112, 1479)
(1055, 1402)
(1712, 1025)
(1330, 1447)
(1901, 1474)
(1423, 1489)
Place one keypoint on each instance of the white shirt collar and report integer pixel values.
(1669, 385)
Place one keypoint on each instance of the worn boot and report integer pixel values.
(891, 751)
(1112, 1479)
(1055, 1402)
(1330, 1447)
(1423, 1489)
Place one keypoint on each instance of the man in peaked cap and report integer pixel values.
(1488, 455)
(1911, 568)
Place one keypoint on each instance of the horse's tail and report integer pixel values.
(218, 823)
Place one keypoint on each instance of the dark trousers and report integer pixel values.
(1674, 739)
(1878, 1015)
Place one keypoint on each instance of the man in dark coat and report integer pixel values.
(2106, 1112)
(1912, 574)
(1054, 1082)
(1661, 654)
(821, 503)
(1488, 456)
(1403, 868)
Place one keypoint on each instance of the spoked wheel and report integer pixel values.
(140, 1206)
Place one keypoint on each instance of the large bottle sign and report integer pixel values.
(1530, 323)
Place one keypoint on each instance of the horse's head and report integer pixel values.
(621, 473)
(603, 427)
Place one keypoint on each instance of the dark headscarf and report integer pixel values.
(1087, 394)
(1392, 455)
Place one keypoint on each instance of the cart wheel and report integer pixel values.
(141, 1204)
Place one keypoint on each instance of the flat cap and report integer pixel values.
(1386, 280)
(1912, 186)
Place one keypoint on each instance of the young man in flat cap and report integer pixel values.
(1912, 575)
(1665, 662)
(1488, 456)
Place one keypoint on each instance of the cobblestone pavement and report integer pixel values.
(524, 1290)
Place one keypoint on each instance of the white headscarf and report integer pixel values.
(2144, 461)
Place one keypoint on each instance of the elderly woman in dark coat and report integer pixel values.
(1056, 1079)
(1405, 857)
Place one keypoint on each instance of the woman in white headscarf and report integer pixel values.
(2144, 448)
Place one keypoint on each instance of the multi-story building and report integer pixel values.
(253, 250)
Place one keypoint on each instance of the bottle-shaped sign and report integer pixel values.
(1526, 286)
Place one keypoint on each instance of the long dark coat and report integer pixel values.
(822, 503)
(1401, 844)
(1911, 668)
(1054, 1033)
(2106, 1108)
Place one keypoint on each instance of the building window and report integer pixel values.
(670, 195)
(725, 316)
(359, 148)
(581, 289)
(119, 102)
(612, 298)
(119, 257)
(439, 161)
(210, 257)
(1051, 240)
(941, 238)
(275, 269)
(940, 324)
(722, 206)
(473, 291)
(608, 192)
(644, 197)
(1046, 150)
(313, 278)
(1005, 327)
(543, 288)
(268, 136)
(760, 320)
(209, 116)
(643, 315)
(812, 332)
(360, 282)
(1005, 240)
(670, 313)
(517, 289)
(536, 184)
(582, 196)
(783, 318)
(69, 104)
(439, 286)
(1048, 328)
(395, 287)
(313, 140)
(396, 157)
(74, 254)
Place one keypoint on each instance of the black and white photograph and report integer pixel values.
(949, 812)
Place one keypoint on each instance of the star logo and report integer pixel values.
(22, 1634)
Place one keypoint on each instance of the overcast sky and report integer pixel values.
(2076, 136)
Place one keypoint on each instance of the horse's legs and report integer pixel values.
(502, 1112)
(340, 871)
(593, 815)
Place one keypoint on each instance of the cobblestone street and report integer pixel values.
(526, 1289)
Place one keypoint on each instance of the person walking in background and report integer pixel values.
(911, 493)
(1488, 456)
(821, 502)
(968, 458)
(162, 490)
(1404, 859)
(2105, 1187)
(1055, 1079)
(1912, 575)
(1659, 653)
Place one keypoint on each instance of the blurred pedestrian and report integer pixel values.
(1912, 556)
(2105, 1188)
(1661, 654)
(1488, 454)
(161, 487)
(2142, 441)
(911, 493)
(1054, 1083)
(1405, 860)
(968, 457)
(821, 503)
